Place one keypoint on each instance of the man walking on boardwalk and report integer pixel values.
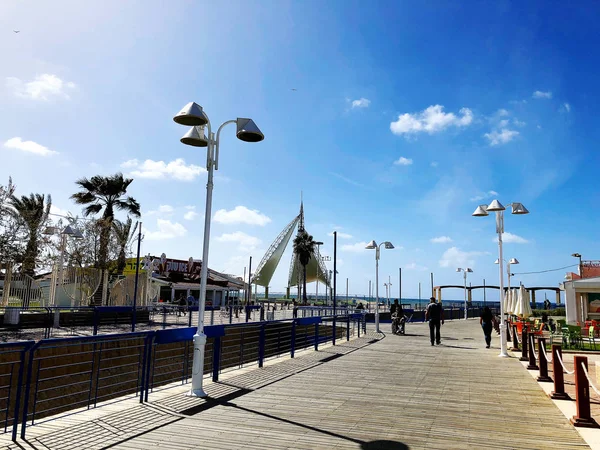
(434, 314)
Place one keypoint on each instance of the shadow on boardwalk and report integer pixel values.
(394, 393)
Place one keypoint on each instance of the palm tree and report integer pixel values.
(123, 234)
(107, 193)
(33, 211)
(304, 247)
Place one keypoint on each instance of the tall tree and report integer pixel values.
(105, 194)
(33, 213)
(123, 234)
(304, 247)
(11, 229)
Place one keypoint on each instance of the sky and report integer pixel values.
(393, 120)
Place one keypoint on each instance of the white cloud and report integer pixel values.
(540, 94)
(245, 241)
(241, 214)
(501, 137)
(502, 112)
(415, 266)
(29, 146)
(402, 161)
(341, 235)
(455, 257)
(166, 230)
(441, 239)
(190, 215)
(58, 212)
(157, 170)
(519, 123)
(434, 164)
(347, 180)
(510, 238)
(358, 247)
(567, 107)
(43, 87)
(162, 210)
(431, 120)
(503, 123)
(483, 196)
(361, 103)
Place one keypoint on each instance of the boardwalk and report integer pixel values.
(397, 392)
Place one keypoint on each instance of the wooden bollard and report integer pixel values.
(559, 379)
(582, 390)
(524, 337)
(543, 361)
(508, 338)
(515, 347)
(532, 364)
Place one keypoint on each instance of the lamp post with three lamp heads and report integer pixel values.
(373, 245)
(67, 232)
(193, 116)
(498, 208)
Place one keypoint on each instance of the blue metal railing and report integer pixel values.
(52, 376)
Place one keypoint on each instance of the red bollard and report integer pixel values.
(508, 338)
(515, 347)
(543, 361)
(532, 364)
(559, 379)
(582, 389)
(524, 337)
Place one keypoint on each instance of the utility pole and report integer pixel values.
(432, 284)
(137, 272)
(334, 282)
(484, 292)
(419, 290)
(400, 285)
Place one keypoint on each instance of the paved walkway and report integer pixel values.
(392, 392)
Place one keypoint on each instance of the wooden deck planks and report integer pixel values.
(400, 390)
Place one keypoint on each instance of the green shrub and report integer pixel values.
(550, 312)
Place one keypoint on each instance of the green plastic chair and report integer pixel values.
(590, 337)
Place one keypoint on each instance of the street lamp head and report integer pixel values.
(73, 232)
(513, 261)
(191, 115)
(481, 211)
(497, 261)
(495, 206)
(195, 137)
(388, 245)
(318, 243)
(518, 208)
(459, 269)
(469, 270)
(576, 255)
(248, 131)
(371, 245)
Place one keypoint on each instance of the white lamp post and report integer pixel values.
(465, 272)
(373, 245)
(483, 210)
(192, 115)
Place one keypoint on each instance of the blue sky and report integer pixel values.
(405, 117)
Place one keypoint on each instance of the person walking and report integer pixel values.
(487, 323)
(435, 315)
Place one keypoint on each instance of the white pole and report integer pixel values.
(199, 338)
(465, 278)
(318, 264)
(500, 230)
(61, 262)
(377, 289)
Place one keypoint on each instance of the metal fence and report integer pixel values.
(56, 375)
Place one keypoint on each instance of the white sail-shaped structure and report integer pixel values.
(270, 261)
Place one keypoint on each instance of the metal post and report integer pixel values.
(200, 338)
(419, 291)
(137, 272)
(334, 281)
(432, 284)
(377, 288)
(249, 293)
(484, 292)
(346, 291)
(465, 279)
(500, 230)
(400, 285)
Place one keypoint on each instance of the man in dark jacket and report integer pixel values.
(435, 315)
